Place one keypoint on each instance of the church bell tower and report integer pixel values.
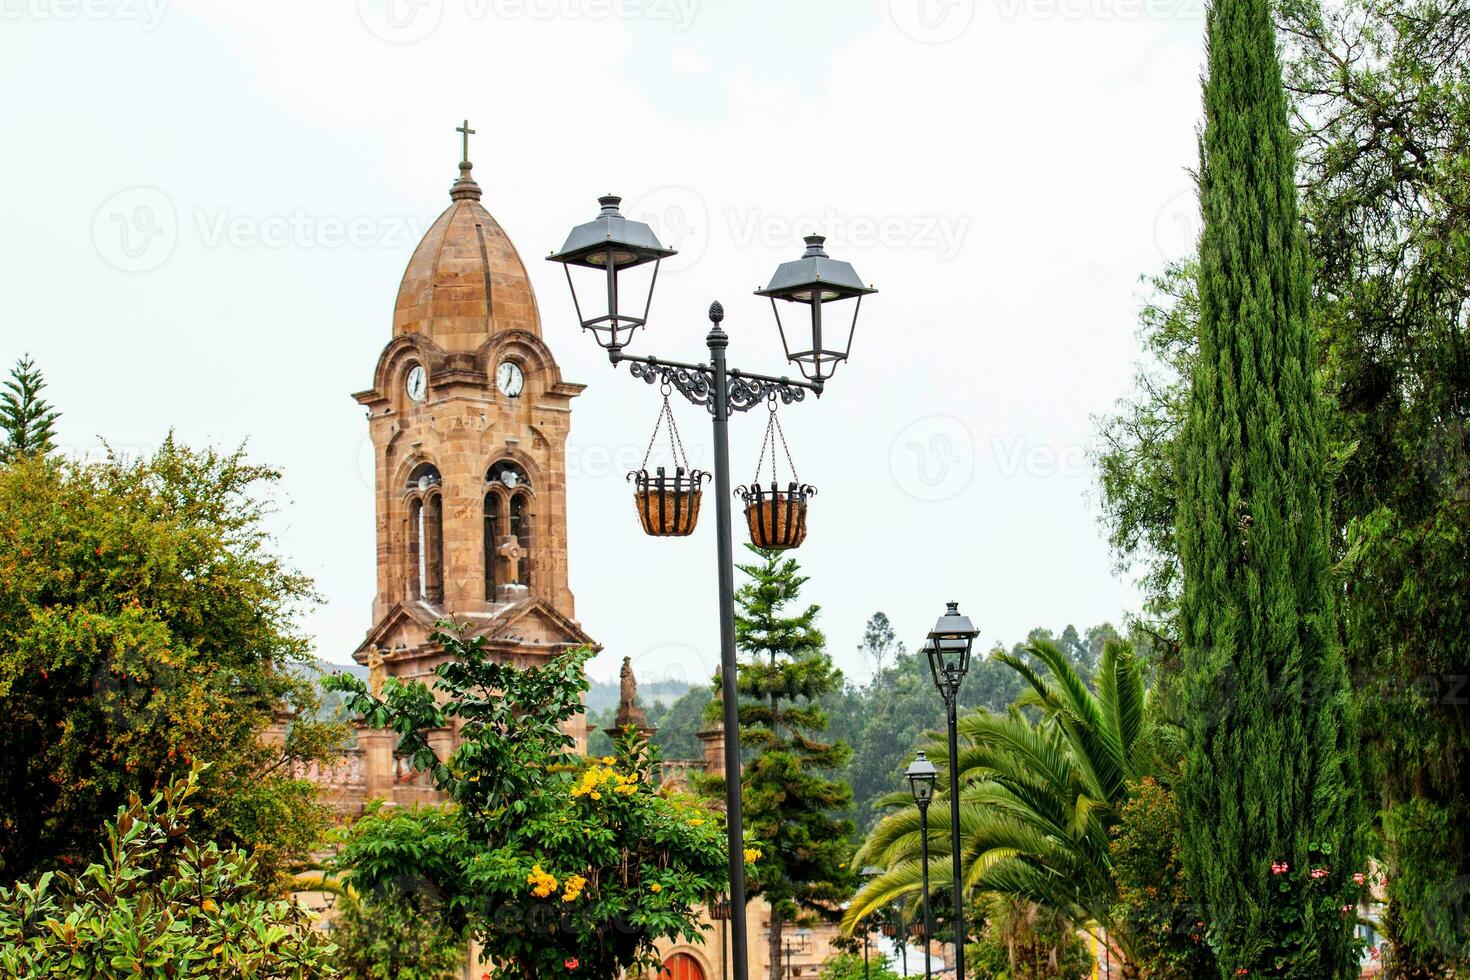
(468, 416)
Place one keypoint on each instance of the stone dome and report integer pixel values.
(465, 280)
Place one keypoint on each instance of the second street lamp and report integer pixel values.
(922, 775)
(612, 244)
(948, 648)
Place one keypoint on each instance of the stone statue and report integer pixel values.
(377, 672)
(628, 711)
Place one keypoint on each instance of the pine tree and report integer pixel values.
(1271, 785)
(26, 419)
(790, 806)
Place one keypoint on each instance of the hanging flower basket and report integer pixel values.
(777, 518)
(667, 505)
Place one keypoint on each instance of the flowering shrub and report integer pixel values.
(158, 904)
(559, 866)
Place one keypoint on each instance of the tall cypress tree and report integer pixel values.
(791, 806)
(1270, 792)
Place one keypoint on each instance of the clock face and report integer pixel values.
(417, 382)
(509, 379)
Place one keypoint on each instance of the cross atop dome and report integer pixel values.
(464, 160)
(465, 188)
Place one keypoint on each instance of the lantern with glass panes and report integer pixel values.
(818, 282)
(610, 244)
(948, 649)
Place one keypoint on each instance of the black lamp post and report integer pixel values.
(869, 871)
(922, 776)
(949, 659)
(611, 244)
(719, 910)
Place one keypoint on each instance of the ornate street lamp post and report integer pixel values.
(610, 245)
(922, 776)
(948, 648)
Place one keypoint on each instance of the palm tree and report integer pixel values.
(1040, 786)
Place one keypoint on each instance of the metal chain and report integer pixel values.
(676, 445)
(774, 432)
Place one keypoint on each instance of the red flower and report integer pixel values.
(571, 963)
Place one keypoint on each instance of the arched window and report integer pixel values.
(425, 534)
(520, 529)
(508, 516)
(492, 543)
(508, 474)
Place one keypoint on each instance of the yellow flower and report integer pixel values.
(696, 823)
(595, 795)
(752, 855)
(608, 760)
(655, 888)
(544, 883)
(575, 884)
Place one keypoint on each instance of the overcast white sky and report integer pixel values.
(206, 208)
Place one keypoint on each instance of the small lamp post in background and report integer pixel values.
(870, 872)
(611, 244)
(948, 648)
(922, 775)
(719, 910)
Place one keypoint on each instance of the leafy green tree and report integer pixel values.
(158, 904)
(791, 801)
(1153, 905)
(1024, 941)
(1271, 773)
(559, 866)
(400, 925)
(389, 938)
(145, 621)
(26, 419)
(677, 736)
(1041, 787)
(879, 640)
(849, 966)
(1382, 111)
(1383, 98)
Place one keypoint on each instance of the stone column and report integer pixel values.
(377, 762)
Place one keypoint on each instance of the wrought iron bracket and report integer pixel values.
(696, 382)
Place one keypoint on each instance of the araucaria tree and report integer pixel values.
(26, 419)
(791, 807)
(1270, 799)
